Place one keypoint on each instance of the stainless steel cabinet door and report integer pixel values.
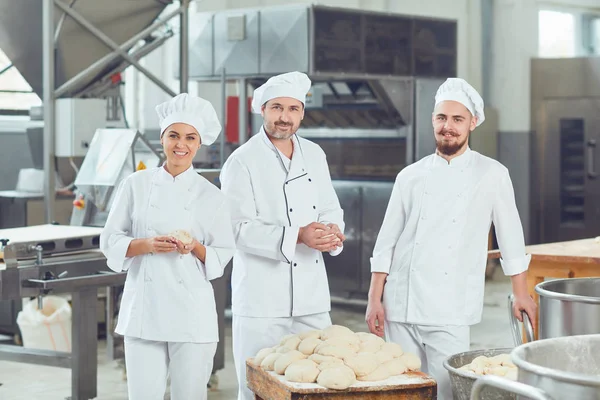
(570, 182)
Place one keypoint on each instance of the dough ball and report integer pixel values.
(329, 364)
(335, 330)
(380, 374)
(498, 371)
(260, 356)
(383, 357)
(183, 236)
(286, 359)
(341, 341)
(335, 351)
(310, 334)
(308, 345)
(368, 337)
(395, 367)
(292, 343)
(496, 361)
(286, 338)
(362, 364)
(338, 377)
(318, 358)
(392, 348)
(282, 349)
(302, 371)
(512, 374)
(268, 364)
(412, 361)
(371, 346)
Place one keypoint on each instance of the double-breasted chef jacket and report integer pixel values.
(271, 197)
(168, 296)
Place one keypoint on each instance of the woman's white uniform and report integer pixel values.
(168, 314)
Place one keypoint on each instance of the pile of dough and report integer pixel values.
(183, 236)
(499, 365)
(336, 358)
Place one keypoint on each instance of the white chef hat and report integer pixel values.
(192, 110)
(459, 90)
(291, 84)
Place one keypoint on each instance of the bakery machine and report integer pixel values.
(374, 80)
(565, 181)
(55, 259)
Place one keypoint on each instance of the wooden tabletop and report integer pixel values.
(268, 385)
(586, 251)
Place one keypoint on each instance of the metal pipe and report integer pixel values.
(48, 104)
(119, 51)
(184, 47)
(243, 116)
(61, 21)
(223, 116)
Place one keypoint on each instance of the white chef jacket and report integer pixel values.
(273, 275)
(434, 238)
(168, 296)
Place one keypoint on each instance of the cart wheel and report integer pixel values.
(213, 383)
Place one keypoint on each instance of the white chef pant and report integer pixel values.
(149, 363)
(252, 334)
(432, 344)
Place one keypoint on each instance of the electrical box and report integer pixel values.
(76, 123)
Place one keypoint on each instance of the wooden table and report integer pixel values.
(573, 259)
(269, 386)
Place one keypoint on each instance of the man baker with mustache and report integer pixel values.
(285, 214)
(430, 256)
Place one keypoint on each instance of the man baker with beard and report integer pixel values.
(430, 256)
(285, 214)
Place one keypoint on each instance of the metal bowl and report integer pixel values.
(462, 381)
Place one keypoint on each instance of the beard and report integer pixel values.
(272, 129)
(449, 148)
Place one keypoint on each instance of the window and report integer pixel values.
(595, 36)
(15, 92)
(557, 34)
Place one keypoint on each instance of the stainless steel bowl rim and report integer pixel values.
(539, 288)
(473, 375)
(563, 376)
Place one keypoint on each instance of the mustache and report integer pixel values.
(445, 131)
(282, 124)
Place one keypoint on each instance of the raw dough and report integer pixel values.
(335, 330)
(367, 337)
(392, 348)
(335, 351)
(362, 364)
(341, 341)
(292, 343)
(282, 349)
(370, 346)
(308, 345)
(329, 364)
(286, 359)
(338, 377)
(318, 358)
(499, 365)
(412, 362)
(310, 334)
(303, 371)
(269, 362)
(383, 357)
(395, 367)
(260, 356)
(380, 374)
(183, 236)
(286, 338)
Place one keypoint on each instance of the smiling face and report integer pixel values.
(180, 143)
(282, 117)
(452, 125)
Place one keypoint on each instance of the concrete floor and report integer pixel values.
(27, 382)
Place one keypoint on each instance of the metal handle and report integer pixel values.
(511, 386)
(514, 322)
(591, 164)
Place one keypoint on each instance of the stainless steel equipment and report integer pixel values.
(374, 79)
(569, 307)
(565, 115)
(463, 381)
(59, 259)
(553, 369)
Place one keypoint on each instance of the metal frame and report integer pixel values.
(51, 93)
